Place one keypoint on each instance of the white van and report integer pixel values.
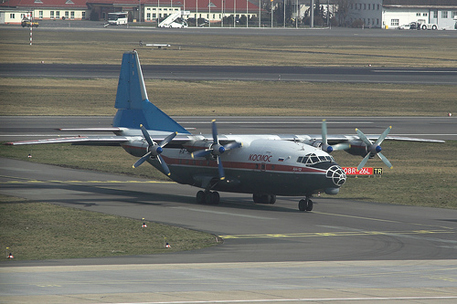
(118, 18)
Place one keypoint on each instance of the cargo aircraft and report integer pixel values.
(261, 165)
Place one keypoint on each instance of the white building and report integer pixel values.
(42, 10)
(392, 14)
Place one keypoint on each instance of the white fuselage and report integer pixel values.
(264, 164)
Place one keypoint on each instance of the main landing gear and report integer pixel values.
(208, 197)
(305, 204)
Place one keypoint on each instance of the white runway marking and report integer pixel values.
(306, 300)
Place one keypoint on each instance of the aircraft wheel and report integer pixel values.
(201, 197)
(209, 198)
(215, 198)
(305, 205)
(309, 206)
(272, 199)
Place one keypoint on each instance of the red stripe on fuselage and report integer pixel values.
(254, 166)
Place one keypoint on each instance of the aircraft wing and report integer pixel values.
(334, 139)
(344, 138)
(77, 140)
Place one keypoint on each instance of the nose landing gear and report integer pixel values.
(305, 204)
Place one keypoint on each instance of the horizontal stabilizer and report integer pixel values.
(90, 129)
(78, 140)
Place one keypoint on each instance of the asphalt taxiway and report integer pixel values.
(344, 251)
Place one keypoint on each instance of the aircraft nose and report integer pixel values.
(337, 175)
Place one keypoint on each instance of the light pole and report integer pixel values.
(271, 25)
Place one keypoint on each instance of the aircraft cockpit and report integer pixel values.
(312, 159)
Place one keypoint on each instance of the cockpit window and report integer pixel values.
(312, 159)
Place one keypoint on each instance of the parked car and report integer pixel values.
(29, 23)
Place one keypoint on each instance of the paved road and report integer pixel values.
(445, 76)
(74, 25)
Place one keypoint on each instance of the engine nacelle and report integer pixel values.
(332, 191)
(317, 144)
(358, 148)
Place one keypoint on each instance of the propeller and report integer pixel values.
(216, 149)
(154, 149)
(374, 149)
(325, 146)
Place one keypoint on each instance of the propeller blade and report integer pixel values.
(363, 162)
(330, 148)
(201, 153)
(363, 137)
(324, 132)
(167, 139)
(146, 135)
(220, 168)
(216, 150)
(214, 130)
(155, 149)
(383, 136)
(164, 165)
(374, 148)
(142, 160)
(385, 160)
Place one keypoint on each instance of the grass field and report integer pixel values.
(423, 174)
(44, 231)
(96, 97)
(228, 49)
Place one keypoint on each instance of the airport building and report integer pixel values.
(387, 14)
(13, 11)
(399, 14)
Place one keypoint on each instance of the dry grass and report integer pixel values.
(40, 231)
(96, 97)
(210, 49)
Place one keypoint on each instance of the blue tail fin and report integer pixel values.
(134, 107)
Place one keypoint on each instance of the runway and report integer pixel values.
(16, 128)
(443, 76)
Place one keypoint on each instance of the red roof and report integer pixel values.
(80, 4)
(191, 5)
(216, 5)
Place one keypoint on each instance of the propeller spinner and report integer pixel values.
(216, 149)
(325, 146)
(374, 149)
(154, 149)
